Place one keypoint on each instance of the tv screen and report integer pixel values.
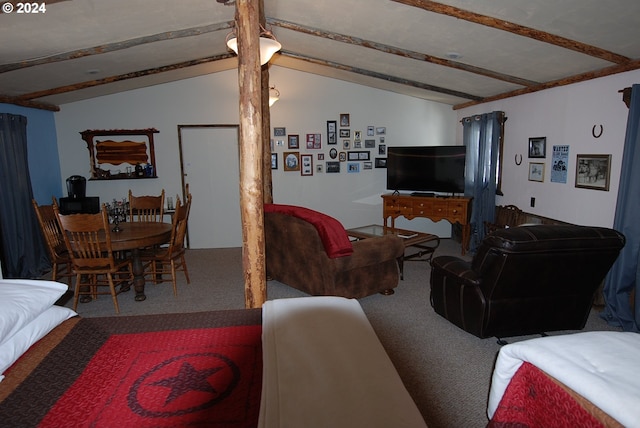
(425, 169)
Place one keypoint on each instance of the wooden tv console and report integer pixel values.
(453, 209)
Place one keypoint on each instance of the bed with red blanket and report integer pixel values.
(312, 361)
(589, 379)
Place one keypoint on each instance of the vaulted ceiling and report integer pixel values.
(457, 52)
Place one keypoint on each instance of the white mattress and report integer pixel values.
(323, 366)
(603, 367)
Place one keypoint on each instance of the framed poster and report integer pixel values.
(294, 141)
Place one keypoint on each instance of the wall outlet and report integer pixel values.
(533, 202)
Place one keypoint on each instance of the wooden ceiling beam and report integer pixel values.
(27, 103)
(614, 69)
(117, 46)
(398, 51)
(132, 75)
(382, 76)
(521, 30)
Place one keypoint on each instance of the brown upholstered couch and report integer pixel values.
(296, 256)
(525, 280)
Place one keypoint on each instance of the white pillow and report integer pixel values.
(18, 344)
(22, 300)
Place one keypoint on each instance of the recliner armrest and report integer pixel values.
(457, 268)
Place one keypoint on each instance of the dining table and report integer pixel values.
(134, 236)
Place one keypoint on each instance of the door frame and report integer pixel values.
(182, 173)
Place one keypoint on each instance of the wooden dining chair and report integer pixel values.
(169, 260)
(88, 241)
(146, 208)
(60, 259)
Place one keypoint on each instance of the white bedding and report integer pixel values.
(323, 366)
(603, 367)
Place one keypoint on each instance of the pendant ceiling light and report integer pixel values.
(268, 44)
(274, 95)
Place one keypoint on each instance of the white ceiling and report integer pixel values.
(80, 49)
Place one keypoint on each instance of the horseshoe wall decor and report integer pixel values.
(518, 162)
(593, 131)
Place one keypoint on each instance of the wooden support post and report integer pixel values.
(251, 148)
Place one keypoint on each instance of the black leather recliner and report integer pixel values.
(525, 280)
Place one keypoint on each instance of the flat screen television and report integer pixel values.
(426, 169)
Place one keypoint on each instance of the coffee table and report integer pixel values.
(410, 238)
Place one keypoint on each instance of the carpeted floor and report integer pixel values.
(446, 370)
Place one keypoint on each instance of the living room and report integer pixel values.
(568, 115)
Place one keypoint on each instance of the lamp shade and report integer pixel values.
(267, 48)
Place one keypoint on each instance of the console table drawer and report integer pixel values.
(422, 208)
(398, 206)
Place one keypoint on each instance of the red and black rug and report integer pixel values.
(202, 369)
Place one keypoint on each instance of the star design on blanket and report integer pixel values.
(188, 379)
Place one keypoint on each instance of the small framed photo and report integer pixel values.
(382, 149)
(362, 156)
(319, 168)
(320, 156)
(332, 167)
(538, 147)
(593, 171)
(370, 131)
(294, 141)
(342, 156)
(314, 141)
(353, 167)
(332, 132)
(536, 171)
(279, 132)
(333, 153)
(381, 162)
(369, 144)
(274, 161)
(357, 135)
(306, 164)
(346, 144)
(367, 165)
(345, 120)
(291, 161)
(381, 130)
(345, 133)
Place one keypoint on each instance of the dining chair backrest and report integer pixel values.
(179, 229)
(87, 239)
(146, 208)
(51, 230)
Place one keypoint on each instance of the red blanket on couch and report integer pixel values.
(334, 237)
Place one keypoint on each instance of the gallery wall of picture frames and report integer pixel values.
(592, 170)
(359, 149)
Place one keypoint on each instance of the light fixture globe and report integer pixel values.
(268, 45)
(274, 95)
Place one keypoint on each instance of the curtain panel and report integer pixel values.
(624, 275)
(23, 249)
(481, 136)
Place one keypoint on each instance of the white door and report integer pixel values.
(210, 162)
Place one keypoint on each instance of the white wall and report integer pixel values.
(306, 103)
(565, 116)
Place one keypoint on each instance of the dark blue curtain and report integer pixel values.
(625, 273)
(23, 249)
(481, 136)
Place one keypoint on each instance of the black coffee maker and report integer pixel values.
(76, 187)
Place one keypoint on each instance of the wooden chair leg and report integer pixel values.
(76, 293)
(184, 268)
(114, 295)
(173, 278)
